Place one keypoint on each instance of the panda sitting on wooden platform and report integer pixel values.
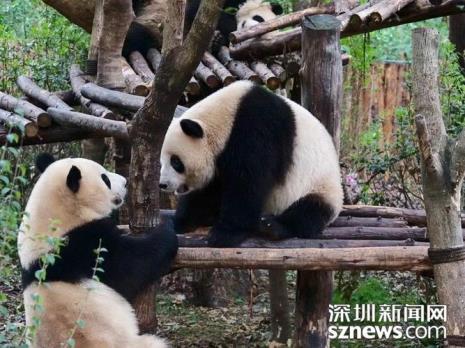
(79, 195)
(243, 153)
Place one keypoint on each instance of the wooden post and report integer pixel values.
(443, 171)
(321, 79)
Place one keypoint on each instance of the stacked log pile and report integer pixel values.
(373, 15)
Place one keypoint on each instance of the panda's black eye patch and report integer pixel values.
(106, 180)
(177, 164)
(258, 19)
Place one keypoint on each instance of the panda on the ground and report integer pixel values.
(243, 153)
(73, 198)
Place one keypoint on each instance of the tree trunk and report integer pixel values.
(443, 168)
(150, 123)
(117, 17)
(321, 78)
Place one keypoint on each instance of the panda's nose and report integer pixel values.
(163, 186)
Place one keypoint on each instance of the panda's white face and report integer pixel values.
(187, 160)
(93, 190)
(253, 12)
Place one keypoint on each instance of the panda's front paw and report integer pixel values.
(221, 238)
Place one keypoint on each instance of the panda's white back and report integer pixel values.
(314, 168)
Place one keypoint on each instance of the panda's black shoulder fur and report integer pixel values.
(129, 263)
(262, 136)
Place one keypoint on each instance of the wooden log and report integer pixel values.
(380, 11)
(276, 23)
(28, 110)
(118, 99)
(219, 69)
(141, 67)
(412, 216)
(265, 74)
(134, 83)
(86, 122)
(350, 221)
(240, 69)
(154, 57)
(206, 75)
(386, 10)
(47, 98)
(200, 241)
(77, 81)
(112, 98)
(50, 135)
(346, 17)
(10, 119)
(396, 258)
(279, 71)
(321, 94)
(291, 40)
(376, 233)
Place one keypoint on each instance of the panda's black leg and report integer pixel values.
(198, 208)
(241, 206)
(305, 218)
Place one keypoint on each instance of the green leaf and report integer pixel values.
(80, 323)
(71, 342)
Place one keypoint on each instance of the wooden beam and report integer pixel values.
(141, 67)
(219, 69)
(28, 110)
(276, 23)
(10, 119)
(134, 83)
(238, 68)
(199, 240)
(118, 99)
(31, 89)
(108, 128)
(53, 134)
(206, 75)
(77, 81)
(265, 74)
(396, 258)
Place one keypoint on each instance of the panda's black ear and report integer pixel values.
(192, 128)
(43, 160)
(277, 9)
(73, 179)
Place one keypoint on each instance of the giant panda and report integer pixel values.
(244, 153)
(79, 195)
(236, 14)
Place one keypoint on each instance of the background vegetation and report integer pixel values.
(37, 41)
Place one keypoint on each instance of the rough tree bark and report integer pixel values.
(321, 77)
(148, 128)
(443, 169)
(116, 19)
